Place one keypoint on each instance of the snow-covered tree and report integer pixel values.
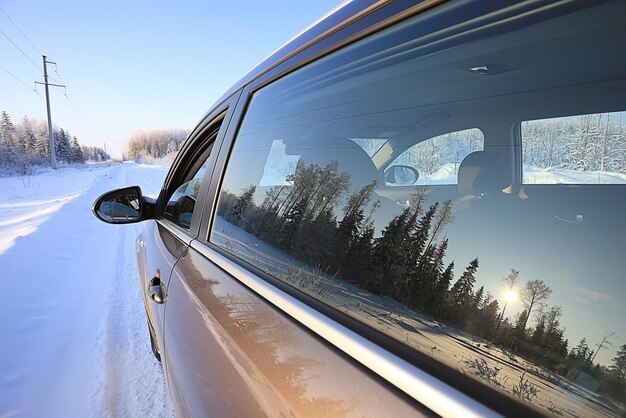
(156, 143)
(27, 137)
(77, 152)
(7, 129)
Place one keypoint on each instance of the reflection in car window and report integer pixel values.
(370, 145)
(180, 205)
(519, 287)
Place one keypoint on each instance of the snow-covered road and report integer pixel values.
(73, 335)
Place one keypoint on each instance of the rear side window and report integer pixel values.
(384, 180)
(585, 149)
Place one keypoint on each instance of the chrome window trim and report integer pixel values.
(424, 388)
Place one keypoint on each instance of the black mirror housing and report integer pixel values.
(123, 206)
(401, 175)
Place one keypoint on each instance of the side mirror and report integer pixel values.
(401, 175)
(123, 206)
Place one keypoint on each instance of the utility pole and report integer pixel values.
(53, 158)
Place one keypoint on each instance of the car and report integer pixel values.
(411, 208)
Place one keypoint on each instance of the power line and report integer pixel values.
(20, 80)
(74, 104)
(23, 34)
(23, 53)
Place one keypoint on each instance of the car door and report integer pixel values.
(178, 216)
(232, 353)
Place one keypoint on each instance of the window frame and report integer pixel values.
(207, 136)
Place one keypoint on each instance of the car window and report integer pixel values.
(519, 288)
(583, 149)
(437, 159)
(184, 189)
(180, 206)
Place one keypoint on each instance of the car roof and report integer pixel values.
(336, 18)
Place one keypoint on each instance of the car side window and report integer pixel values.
(183, 193)
(180, 206)
(518, 286)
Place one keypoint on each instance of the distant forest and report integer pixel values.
(407, 263)
(149, 145)
(584, 143)
(25, 145)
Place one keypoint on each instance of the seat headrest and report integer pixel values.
(482, 173)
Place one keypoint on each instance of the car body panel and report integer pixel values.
(158, 248)
(232, 353)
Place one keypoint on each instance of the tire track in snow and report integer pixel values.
(74, 339)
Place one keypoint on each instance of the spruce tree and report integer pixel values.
(291, 227)
(436, 303)
(519, 330)
(244, 202)
(29, 139)
(8, 130)
(538, 334)
(359, 260)
(432, 276)
(489, 319)
(62, 146)
(618, 368)
(389, 254)
(77, 152)
(581, 354)
(418, 258)
(462, 290)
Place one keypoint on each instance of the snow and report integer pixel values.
(447, 174)
(557, 175)
(74, 334)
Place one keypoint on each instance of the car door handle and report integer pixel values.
(157, 291)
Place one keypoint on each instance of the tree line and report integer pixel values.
(155, 143)
(26, 144)
(594, 142)
(406, 263)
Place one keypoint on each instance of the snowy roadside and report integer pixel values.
(75, 341)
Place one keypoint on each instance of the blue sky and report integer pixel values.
(132, 65)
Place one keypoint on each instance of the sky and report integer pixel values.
(136, 65)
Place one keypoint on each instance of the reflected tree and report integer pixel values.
(534, 294)
(405, 263)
